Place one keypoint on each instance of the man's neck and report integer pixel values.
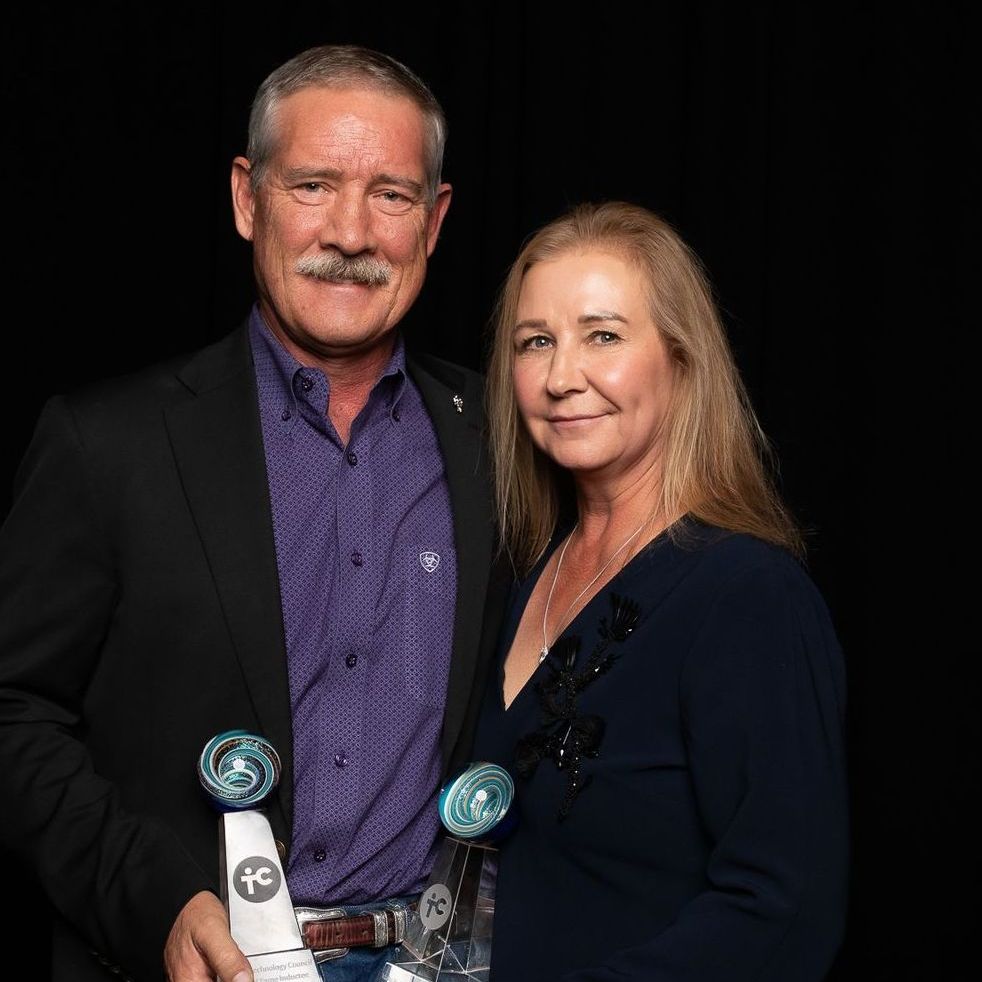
(352, 375)
(352, 380)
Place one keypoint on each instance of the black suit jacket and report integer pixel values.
(140, 615)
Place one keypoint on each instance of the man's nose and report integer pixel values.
(348, 224)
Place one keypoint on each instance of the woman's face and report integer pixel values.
(593, 378)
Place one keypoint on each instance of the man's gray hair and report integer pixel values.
(344, 66)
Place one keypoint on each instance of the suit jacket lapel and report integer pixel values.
(457, 416)
(217, 442)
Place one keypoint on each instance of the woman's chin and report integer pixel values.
(584, 464)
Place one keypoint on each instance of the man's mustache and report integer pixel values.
(335, 267)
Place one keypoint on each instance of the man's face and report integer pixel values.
(340, 225)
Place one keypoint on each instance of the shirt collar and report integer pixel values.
(268, 349)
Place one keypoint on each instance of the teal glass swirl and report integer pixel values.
(238, 770)
(476, 805)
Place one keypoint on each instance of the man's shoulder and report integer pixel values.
(451, 393)
(448, 373)
(162, 383)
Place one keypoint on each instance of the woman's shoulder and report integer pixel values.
(727, 550)
(753, 610)
(717, 560)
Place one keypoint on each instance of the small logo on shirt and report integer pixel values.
(429, 561)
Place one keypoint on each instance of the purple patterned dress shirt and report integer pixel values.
(368, 575)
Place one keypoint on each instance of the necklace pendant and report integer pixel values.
(543, 653)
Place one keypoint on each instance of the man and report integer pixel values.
(287, 533)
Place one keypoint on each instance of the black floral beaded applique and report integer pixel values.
(565, 735)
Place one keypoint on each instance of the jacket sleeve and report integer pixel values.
(762, 701)
(118, 877)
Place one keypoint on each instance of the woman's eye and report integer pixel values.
(533, 342)
(606, 337)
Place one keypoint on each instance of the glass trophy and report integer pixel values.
(449, 936)
(238, 770)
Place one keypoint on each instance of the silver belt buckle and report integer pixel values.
(306, 914)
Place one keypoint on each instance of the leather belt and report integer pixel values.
(330, 932)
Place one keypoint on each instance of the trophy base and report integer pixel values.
(261, 917)
(454, 962)
(449, 938)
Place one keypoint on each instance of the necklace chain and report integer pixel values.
(544, 651)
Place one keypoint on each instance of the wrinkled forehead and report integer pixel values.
(349, 120)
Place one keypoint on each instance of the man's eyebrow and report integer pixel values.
(293, 174)
(414, 187)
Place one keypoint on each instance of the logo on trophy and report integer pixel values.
(448, 937)
(238, 770)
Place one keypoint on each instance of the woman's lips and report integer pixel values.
(574, 422)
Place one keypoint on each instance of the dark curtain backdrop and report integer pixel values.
(816, 157)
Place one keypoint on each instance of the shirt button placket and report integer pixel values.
(354, 500)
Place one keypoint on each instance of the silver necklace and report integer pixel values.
(544, 651)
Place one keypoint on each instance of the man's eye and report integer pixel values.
(309, 191)
(394, 202)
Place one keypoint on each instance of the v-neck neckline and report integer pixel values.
(525, 594)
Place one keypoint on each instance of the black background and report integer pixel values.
(820, 160)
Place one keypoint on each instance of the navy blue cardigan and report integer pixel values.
(697, 828)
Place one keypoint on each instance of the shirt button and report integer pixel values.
(396, 415)
(320, 856)
(306, 383)
(351, 661)
(286, 415)
(340, 760)
(352, 458)
(356, 558)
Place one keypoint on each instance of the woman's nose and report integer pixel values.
(565, 371)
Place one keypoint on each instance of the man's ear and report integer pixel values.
(435, 218)
(243, 197)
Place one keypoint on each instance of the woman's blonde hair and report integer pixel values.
(715, 452)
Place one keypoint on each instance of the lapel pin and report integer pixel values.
(458, 403)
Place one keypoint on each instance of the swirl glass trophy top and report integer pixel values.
(449, 936)
(238, 770)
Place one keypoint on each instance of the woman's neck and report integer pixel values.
(607, 509)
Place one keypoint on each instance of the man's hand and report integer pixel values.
(199, 945)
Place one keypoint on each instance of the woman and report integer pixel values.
(670, 689)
